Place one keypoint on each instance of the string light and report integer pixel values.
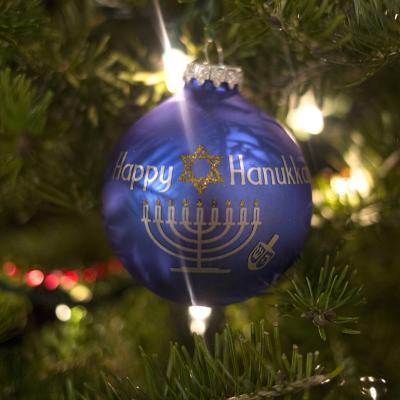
(34, 277)
(89, 274)
(175, 62)
(307, 117)
(10, 268)
(198, 326)
(63, 312)
(357, 183)
(81, 293)
(67, 279)
(52, 280)
(198, 318)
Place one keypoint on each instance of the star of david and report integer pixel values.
(213, 175)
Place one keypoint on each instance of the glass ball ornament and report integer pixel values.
(207, 199)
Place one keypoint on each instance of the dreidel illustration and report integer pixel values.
(262, 254)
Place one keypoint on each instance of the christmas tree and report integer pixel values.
(74, 75)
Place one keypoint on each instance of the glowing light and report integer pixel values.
(198, 326)
(307, 117)
(373, 393)
(9, 268)
(114, 265)
(101, 269)
(373, 387)
(358, 182)
(367, 216)
(175, 62)
(81, 293)
(69, 279)
(89, 274)
(34, 277)
(199, 312)
(199, 316)
(52, 281)
(63, 312)
(339, 185)
(78, 313)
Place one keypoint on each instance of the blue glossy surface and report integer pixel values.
(226, 125)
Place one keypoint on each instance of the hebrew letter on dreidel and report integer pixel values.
(262, 254)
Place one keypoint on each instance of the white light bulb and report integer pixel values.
(340, 185)
(175, 62)
(63, 312)
(359, 182)
(373, 393)
(198, 326)
(307, 118)
(200, 312)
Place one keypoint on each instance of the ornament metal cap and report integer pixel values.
(216, 73)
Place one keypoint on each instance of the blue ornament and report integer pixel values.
(207, 200)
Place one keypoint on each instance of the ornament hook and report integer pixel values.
(218, 47)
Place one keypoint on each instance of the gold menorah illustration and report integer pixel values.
(198, 243)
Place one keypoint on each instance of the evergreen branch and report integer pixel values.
(240, 369)
(320, 300)
(23, 109)
(21, 22)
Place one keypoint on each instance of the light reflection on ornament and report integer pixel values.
(198, 318)
(63, 312)
(34, 277)
(307, 117)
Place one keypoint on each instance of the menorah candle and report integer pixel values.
(207, 199)
(200, 213)
(243, 213)
(171, 212)
(214, 214)
(157, 212)
(185, 213)
(228, 213)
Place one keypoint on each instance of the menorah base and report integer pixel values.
(201, 270)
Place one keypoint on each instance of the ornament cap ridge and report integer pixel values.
(216, 73)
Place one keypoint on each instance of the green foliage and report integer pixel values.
(321, 300)
(14, 311)
(22, 108)
(21, 26)
(242, 368)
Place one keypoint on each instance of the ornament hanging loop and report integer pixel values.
(218, 47)
(216, 73)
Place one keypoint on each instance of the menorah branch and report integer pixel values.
(198, 233)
